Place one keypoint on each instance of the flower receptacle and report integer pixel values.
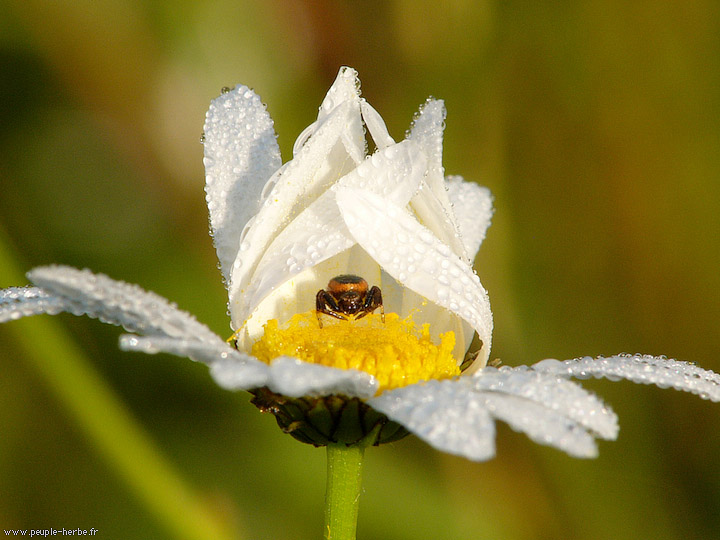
(327, 420)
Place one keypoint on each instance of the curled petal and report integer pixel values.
(376, 125)
(345, 88)
(444, 414)
(118, 303)
(473, 208)
(431, 205)
(314, 236)
(319, 232)
(323, 159)
(427, 131)
(438, 218)
(643, 369)
(241, 154)
(417, 259)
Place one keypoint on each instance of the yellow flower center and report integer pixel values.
(394, 352)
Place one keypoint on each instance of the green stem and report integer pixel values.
(342, 498)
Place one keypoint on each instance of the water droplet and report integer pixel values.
(426, 236)
(225, 89)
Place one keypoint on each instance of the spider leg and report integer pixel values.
(323, 301)
(374, 300)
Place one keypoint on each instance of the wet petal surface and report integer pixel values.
(241, 154)
(417, 259)
(119, 303)
(642, 369)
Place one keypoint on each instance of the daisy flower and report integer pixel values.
(381, 245)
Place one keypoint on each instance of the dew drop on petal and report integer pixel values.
(426, 236)
(444, 250)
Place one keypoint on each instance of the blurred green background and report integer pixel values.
(596, 124)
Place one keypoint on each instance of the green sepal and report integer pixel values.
(328, 419)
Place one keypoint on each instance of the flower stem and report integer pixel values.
(342, 497)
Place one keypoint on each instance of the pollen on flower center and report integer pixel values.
(395, 352)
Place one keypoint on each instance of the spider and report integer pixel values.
(348, 295)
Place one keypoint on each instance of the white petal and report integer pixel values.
(456, 416)
(319, 232)
(473, 208)
(555, 394)
(314, 236)
(305, 134)
(345, 89)
(393, 172)
(643, 369)
(431, 205)
(321, 162)
(295, 378)
(17, 302)
(241, 154)
(290, 377)
(376, 125)
(427, 131)
(417, 259)
(444, 414)
(437, 216)
(118, 303)
(201, 351)
(231, 374)
(542, 425)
